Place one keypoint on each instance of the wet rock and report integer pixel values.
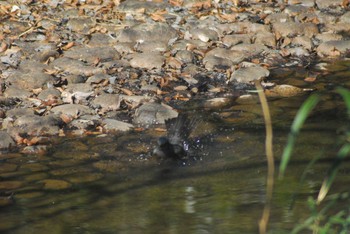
(35, 149)
(72, 110)
(34, 125)
(148, 60)
(249, 74)
(10, 185)
(217, 103)
(153, 113)
(112, 125)
(90, 55)
(333, 48)
(107, 102)
(5, 140)
(53, 184)
(84, 124)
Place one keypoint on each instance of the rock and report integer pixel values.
(265, 38)
(72, 110)
(217, 103)
(204, 34)
(234, 39)
(149, 46)
(112, 125)
(53, 184)
(153, 113)
(16, 92)
(90, 55)
(133, 6)
(333, 48)
(5, 140)
(148, 60)
(47, 93)
(34, 125)
(18, 112)
(80, 24)
(185, 56)
(292, 29)
(76, 67)
(222, 58)
(249, 74)
(35, 149)
(30, 80)
(325, 4)
(147, 32)
(107, 102)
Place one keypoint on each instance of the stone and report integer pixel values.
(333, 48)
(292, 29)
(50, 92)
(147, 32)
(76, 67)
(90, 55)
(34, 125)
(5, 140)
(204, 34)
(234, 39)
(72, 110)
(30, 80)
(16, 92)
(148, 60)
(112, 125)
(133, 6)
(325, 4)
(249, 74)
(153, 113)
(107, 102)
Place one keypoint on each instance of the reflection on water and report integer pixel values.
(108, 184)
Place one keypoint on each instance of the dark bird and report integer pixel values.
(175, 145)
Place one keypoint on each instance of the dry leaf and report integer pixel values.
(176, 2)
(127, 91)
(310, 79)
(68, 46)
(66, 118)
(3, 47)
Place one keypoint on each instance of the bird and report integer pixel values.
(175, 146)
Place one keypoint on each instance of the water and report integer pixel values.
(109, 185)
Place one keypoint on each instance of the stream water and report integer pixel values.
(108, 184)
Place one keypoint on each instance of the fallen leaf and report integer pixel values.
(310, 79)
(127, 91)
(68, 46)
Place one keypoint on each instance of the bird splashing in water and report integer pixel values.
(175, 145)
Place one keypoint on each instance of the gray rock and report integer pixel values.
(136, 100)
(249, 74)
(234, 39)
(5, 140)
(90, 55)
(147, 32)
(30, 80)
(34, 125)
(323, 37)
(333, 48)
(148, 60)
(265, 38)
(17, 112)
(303, 41)
(148, 46)
(72, 110)
(16, 92)
(153, 113)
(50, 92)
(107, 102)
(345, 18)
(100, 39)
(132, 6)
(292, 29)
(112, 125)
(324, 4)
(185, 56)
(204, 34)
(277, 17)
(76, 67)
(249, 50)
(81, 24)
(74, 79)
(97, 78)
(232, 55)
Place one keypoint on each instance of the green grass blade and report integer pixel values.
(346, 96)
(298, 122)
(343, 152)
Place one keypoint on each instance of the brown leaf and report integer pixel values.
(66, 118)
(310, 79)
(176, 2)
(68, 46)
(127, 91)
(3, 47)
